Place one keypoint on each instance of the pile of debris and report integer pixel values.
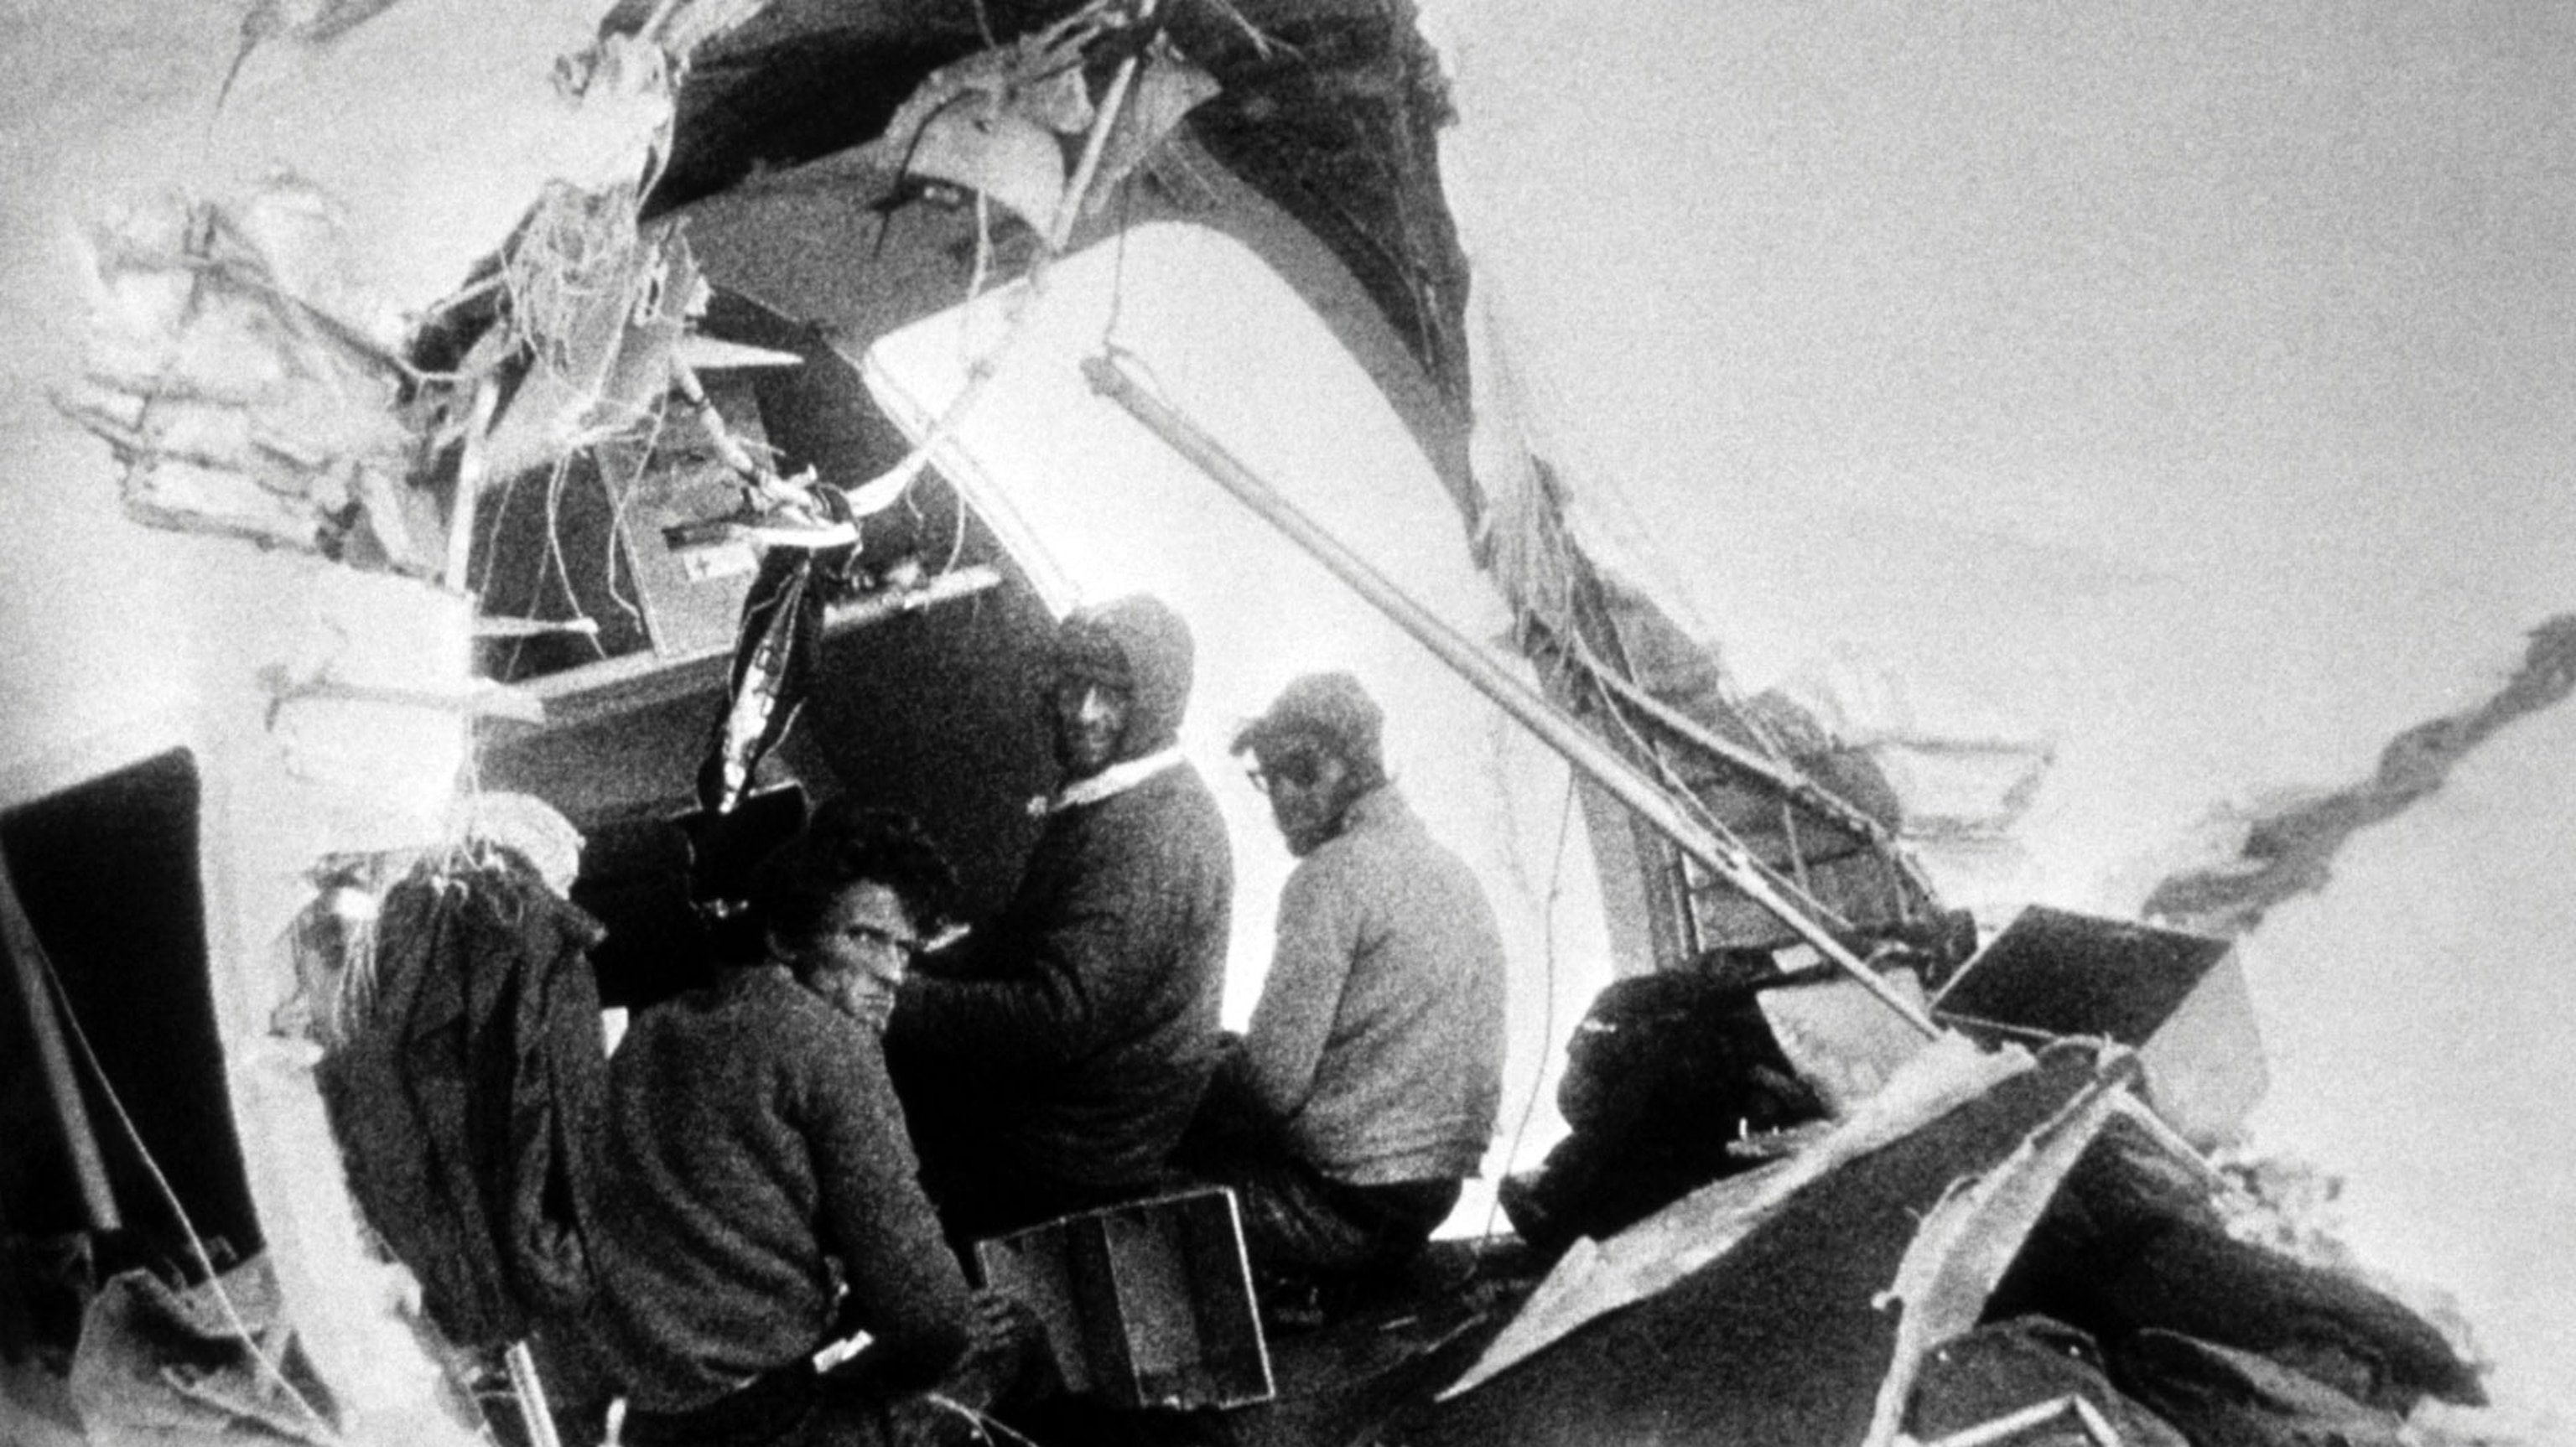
(1998, 1245)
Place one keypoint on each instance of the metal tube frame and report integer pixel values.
(1588, 755)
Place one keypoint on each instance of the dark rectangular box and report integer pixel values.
(1148, 1304)
(2178, 999)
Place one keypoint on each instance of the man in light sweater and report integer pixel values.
(1366, 1088)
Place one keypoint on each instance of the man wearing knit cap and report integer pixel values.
(1050, 1062)
(1366, 1088)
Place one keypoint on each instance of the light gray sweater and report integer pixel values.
(1378, 1041)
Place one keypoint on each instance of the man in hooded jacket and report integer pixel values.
(1049, 1063)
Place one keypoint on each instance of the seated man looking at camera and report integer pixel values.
(1050, 1061)
(1365, 1090)
(759, 1197)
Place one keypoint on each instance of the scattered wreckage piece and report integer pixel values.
(1996, 1233)
(2131, 1245)
(1972, 1390)
(234, 395)
(1751, 1311)
(2178, 999)
(211, 1361)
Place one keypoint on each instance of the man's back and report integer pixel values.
(1379, 1038)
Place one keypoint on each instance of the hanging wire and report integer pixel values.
(1118, 271)
(492, 519)
(169, 1194)
(1797, 851)
(556, 483)
(984, 1423)
(618, 497)
(1698, 807)
(957, 534)
(1902, 879)
(1547, 994)
(982, 274)
(608, 550)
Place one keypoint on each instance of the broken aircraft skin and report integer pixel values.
(831, 175)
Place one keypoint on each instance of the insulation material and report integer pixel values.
(226, 379)
(253, 266)
(468, 105)
(375, 697)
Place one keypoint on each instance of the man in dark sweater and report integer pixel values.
(1051, 1061)
(760, 1197)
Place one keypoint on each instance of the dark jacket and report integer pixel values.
(1056, 1057)
(468, 1104)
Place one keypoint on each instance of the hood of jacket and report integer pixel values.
(1155, 645)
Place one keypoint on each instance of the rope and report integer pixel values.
(1547, 994)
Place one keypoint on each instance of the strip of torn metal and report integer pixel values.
(1972, 1236)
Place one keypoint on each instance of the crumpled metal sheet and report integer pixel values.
(211, 1363)
(1782, 1331)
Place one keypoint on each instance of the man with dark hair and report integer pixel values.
(1050, 1063)
(1366, 1088)
(761, 1199)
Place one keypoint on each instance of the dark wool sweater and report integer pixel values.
(1052, 1061)
(1060, 1056)
(756, 1156)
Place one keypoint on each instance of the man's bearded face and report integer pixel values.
(1090, 718)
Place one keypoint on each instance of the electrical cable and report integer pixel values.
(617, 500)
(1547, 996)
(984, 1424)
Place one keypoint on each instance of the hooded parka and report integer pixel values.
(1051, 1062)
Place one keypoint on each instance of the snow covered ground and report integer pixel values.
(2419, 1014)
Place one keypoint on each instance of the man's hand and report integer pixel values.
(1006, 1356)
(1000, 1325)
